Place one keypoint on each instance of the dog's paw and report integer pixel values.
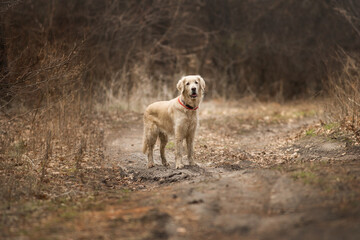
(180, 165)
(193, 164)
(165, 164)
(150, 165)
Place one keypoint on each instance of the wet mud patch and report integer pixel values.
(166, 175)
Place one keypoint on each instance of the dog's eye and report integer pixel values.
(196, 82)
(187, 83)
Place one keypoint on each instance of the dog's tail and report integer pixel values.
(145, 146)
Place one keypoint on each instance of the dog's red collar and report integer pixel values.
(186, 106)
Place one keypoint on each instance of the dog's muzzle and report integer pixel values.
(193, 93)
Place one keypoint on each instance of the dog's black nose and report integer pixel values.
(193, 89)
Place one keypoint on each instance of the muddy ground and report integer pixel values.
(264, 171)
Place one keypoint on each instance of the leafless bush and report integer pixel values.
(344, 85)
(344, 89)
(42, 91)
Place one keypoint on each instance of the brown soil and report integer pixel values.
(259, 176)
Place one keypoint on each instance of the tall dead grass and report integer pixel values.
(43, 118)
(344, 92)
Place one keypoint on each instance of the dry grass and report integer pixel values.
(31, 149)
(136, 89)
(344, 93)
(49, 166)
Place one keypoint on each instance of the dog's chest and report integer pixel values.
(188, 121)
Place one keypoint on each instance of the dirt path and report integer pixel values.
(244, 187)
(265, 171)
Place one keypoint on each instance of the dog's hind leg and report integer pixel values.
(163, 141)
(151, 137)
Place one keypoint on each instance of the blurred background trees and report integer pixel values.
(97, 51)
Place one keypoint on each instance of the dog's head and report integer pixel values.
(191, 86)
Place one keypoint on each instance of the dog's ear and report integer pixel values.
(180, 85)
(202, 83)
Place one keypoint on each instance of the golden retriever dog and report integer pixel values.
(177, 117)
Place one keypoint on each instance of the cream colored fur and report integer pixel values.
(165, 118)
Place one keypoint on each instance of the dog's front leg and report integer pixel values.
(190, 148)
(178, 154)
